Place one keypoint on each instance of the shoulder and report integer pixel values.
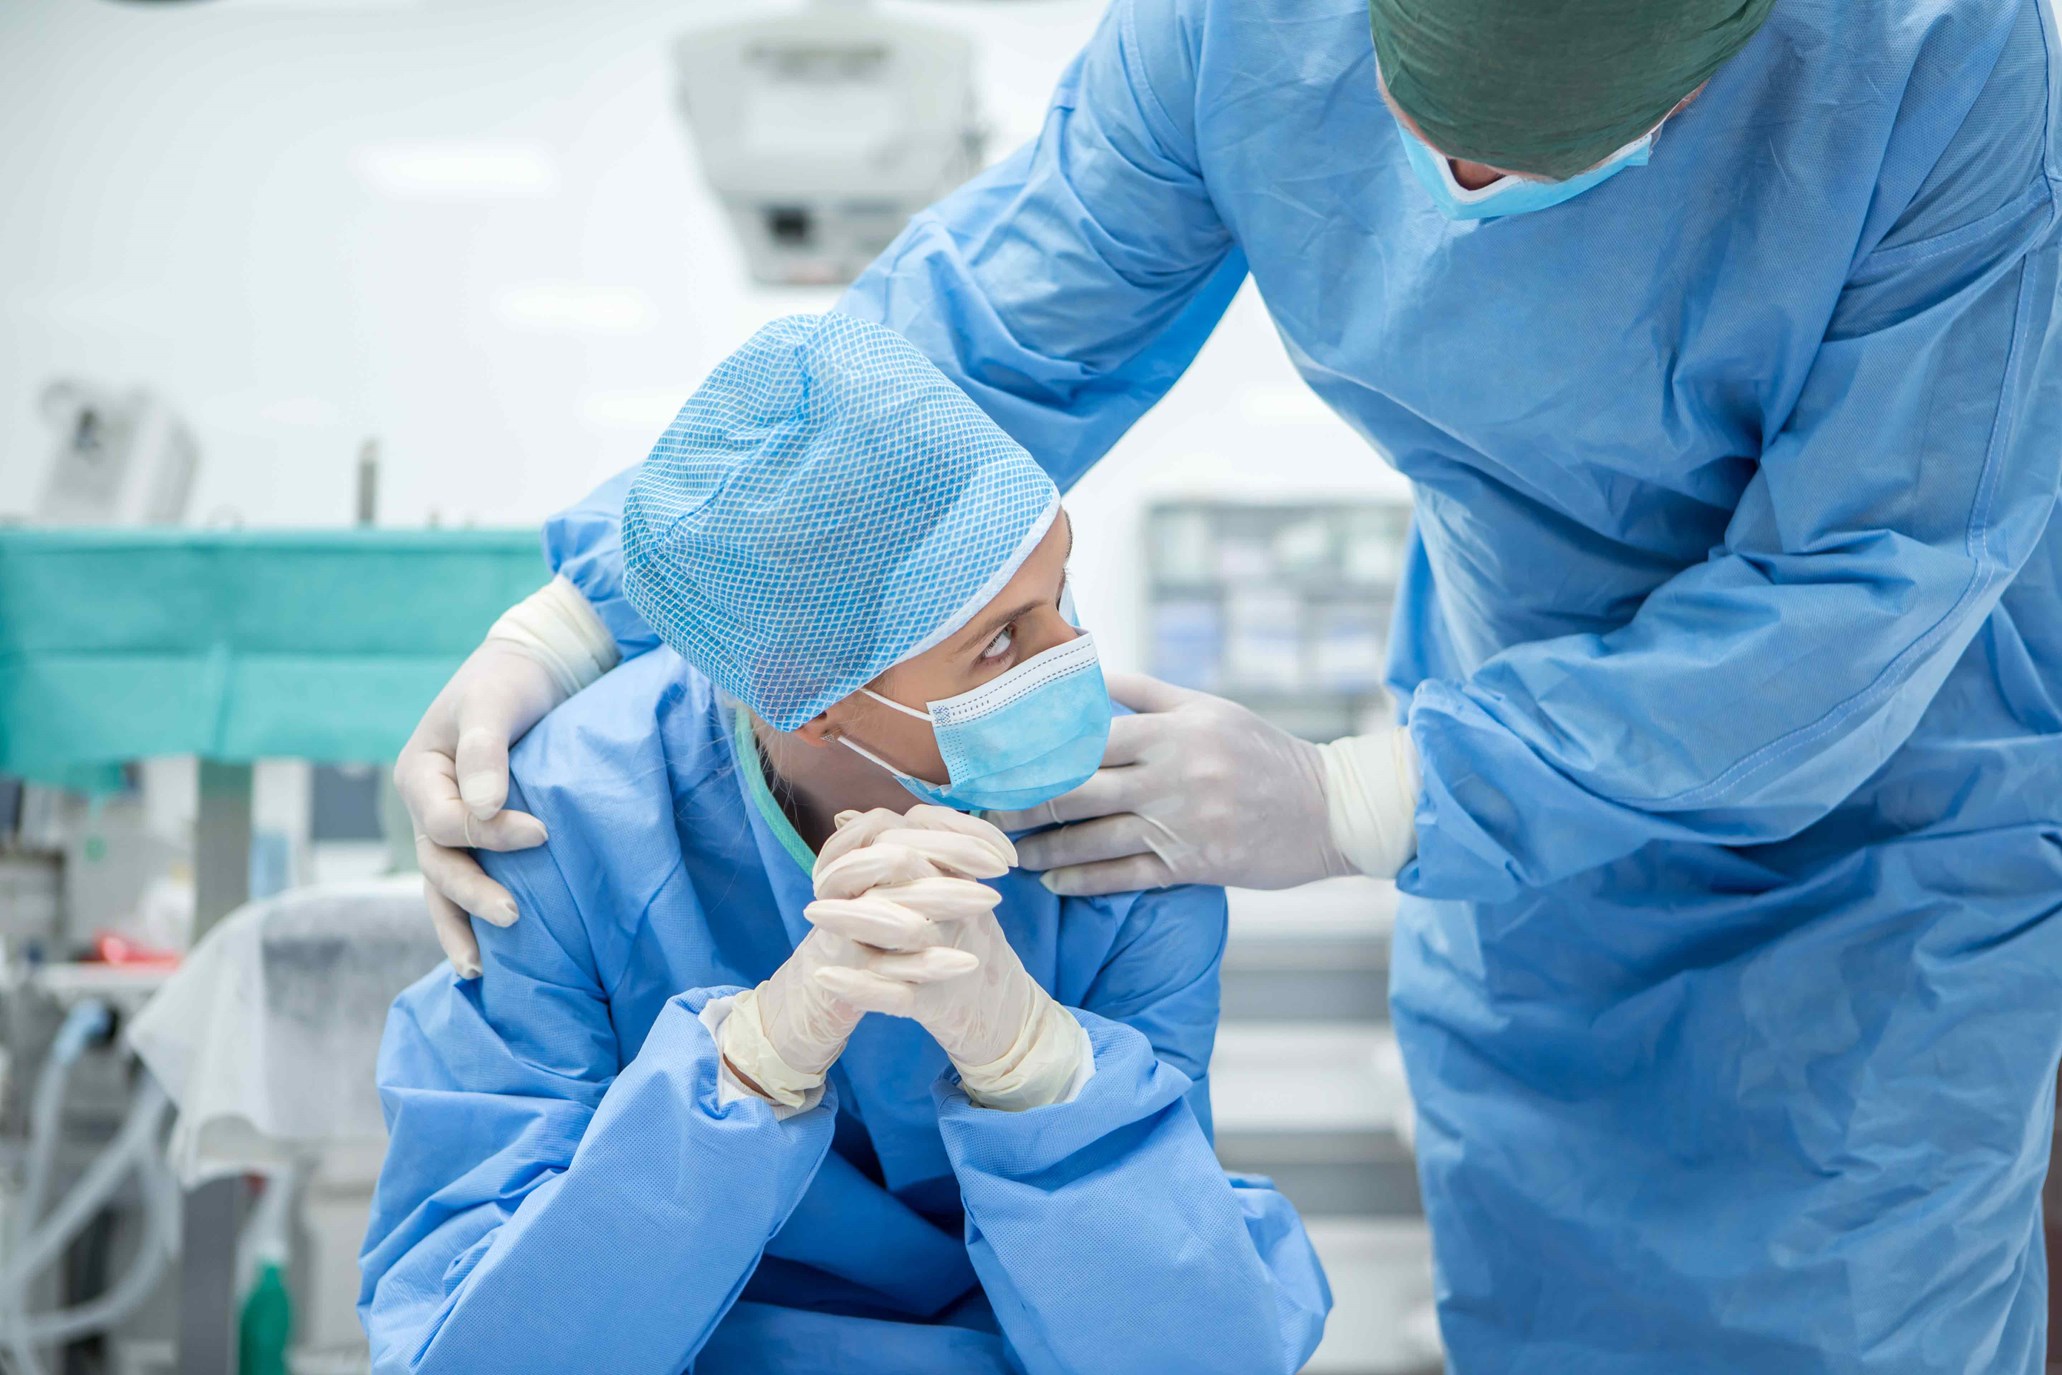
(1192, 57)
(1831, 41)
(1917, 68)
(1970, 138)
(609, 773)
(1161, 974)
(1859, 125)
(1262, 45)
(651, 724)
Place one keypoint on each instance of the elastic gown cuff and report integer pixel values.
(1459, 853)
(1049, 1065)
(723, 1095)
(729, 1088)
(555, 626)
(1371, 797)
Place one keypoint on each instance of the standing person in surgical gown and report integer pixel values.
(1718, 341)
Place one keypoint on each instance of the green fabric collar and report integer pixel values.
(747, 748)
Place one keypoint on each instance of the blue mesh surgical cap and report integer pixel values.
(827, 505)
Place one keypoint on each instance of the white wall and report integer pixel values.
(219, 200)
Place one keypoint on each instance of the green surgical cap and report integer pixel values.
(1551, 87)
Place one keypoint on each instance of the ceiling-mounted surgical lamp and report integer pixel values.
(824, 129)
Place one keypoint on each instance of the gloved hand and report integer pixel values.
(897, 886)
(783, 1036)
(1196, 789)
(453, 772)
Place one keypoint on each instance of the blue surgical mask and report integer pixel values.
(1018, 740)
(1511, 195)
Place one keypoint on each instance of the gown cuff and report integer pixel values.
(1051, 1060)
(555, 626)
(1371, 799)
(795, 1095)
(1130, 1084)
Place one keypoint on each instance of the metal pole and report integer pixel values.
(212, 1214)
(222, 844)
(368, 482)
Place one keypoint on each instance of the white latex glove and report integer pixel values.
(899, 886)
(1196, 789)
(782, 1037)
(944, 843)
(453, 772)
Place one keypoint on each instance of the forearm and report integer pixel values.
(634, 1239)
(584, 545)
(1066, 288)
(1167, 1263)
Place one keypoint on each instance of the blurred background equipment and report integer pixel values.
(120, 458)
(824, 130)
(188, 719)
(300, 980)
(1282, 606)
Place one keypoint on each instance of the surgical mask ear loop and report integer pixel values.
(864, 753)
(891, 702)
(870, 757)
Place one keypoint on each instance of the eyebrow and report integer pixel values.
(980, 632)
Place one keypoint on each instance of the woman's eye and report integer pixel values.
(1000, 645)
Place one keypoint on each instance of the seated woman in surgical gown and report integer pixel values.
(601, 1157)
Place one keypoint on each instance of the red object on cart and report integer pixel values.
(109, 948)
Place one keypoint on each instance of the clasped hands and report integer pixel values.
(903, 926)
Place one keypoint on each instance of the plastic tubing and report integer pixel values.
(83, 1025)
(138, 1133)
(134, 1148)
(127, 1295)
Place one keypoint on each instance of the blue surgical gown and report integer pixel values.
(563, 1190)
(1729, 974)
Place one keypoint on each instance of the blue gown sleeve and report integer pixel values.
(584, 545)
(1065, 289)
(1106, 1235)
(536, 1191)
(1904, 488)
